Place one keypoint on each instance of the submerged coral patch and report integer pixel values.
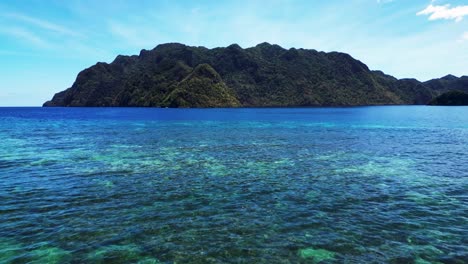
(317, 255)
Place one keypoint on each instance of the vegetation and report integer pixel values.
(201, 88)
(451, 98)
(175, 75)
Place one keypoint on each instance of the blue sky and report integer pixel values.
(44, 44)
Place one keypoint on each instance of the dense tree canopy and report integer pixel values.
(176, 75)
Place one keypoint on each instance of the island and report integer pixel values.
(451, 98)
(267, 75)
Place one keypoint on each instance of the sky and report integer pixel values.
(44, 44)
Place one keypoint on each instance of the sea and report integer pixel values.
(378, 184)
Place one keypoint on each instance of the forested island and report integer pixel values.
(451, 98)
(176, 75)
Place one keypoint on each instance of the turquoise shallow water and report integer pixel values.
(317, 185)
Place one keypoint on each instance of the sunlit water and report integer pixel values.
(329, 185)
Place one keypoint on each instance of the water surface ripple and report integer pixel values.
(328, 185)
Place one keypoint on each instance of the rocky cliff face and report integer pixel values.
(176, 75)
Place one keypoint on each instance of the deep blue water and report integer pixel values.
(302, 185)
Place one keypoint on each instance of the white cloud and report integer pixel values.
(384, 1)
(25, 36)
(444, 12)
(42, 34)
(141, 36)
(464, 37)
(43, 24)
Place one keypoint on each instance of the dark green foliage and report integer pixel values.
(410, 91)
(201, 88)
(448, 82)
(176, 75)
(451, 98)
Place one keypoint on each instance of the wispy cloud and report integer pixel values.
(136, 35)
(25, 35)
(444, 12)
(43, 24)
(384, 1)
(464, 37)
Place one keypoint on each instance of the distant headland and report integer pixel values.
(176, 75)
(453, 97)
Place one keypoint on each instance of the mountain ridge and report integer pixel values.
(451, 98)
(266, 75)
